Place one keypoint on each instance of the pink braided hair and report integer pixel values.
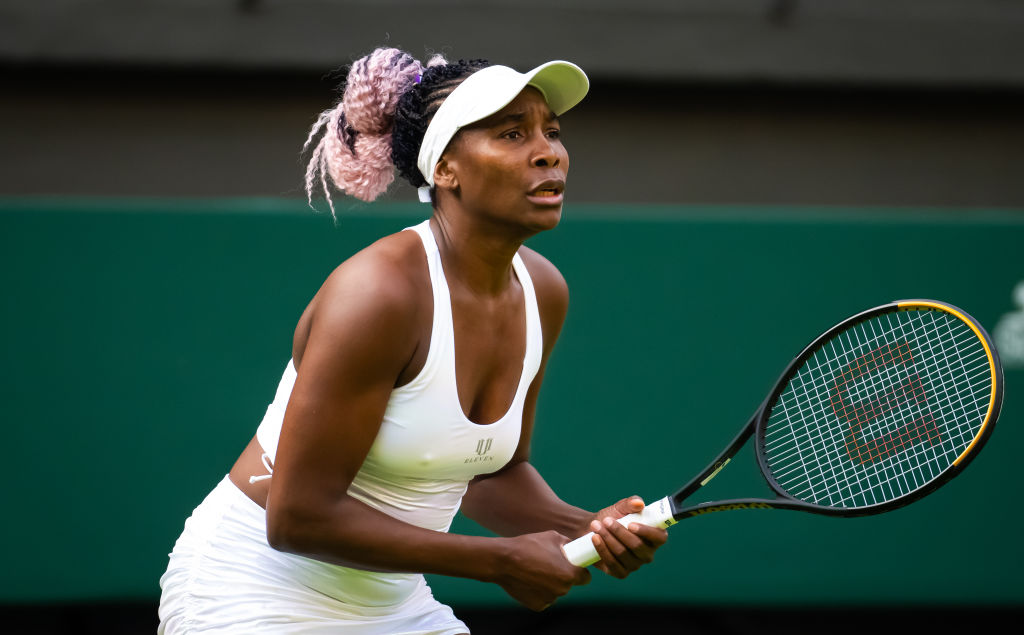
(355, 148)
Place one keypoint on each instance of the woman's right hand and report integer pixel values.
(535, 571)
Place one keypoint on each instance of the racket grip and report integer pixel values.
(581, 552)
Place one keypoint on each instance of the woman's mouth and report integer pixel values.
(546, 197)
(549, 193)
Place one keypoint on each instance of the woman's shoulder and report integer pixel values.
(392, 262)
(549, 285)
(377, 292)
(387, 275)
(545, 275)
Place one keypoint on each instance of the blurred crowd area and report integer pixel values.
(762, 102)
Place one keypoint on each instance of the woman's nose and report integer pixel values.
(546, 155)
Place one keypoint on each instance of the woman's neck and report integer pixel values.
(477, 256)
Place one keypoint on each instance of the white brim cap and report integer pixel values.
(485, 92)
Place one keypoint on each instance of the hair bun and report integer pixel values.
(361, 167)
(374, 84)
(355, 149)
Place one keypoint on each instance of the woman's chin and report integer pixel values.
(545, 219)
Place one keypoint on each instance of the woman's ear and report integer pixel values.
(445, 176)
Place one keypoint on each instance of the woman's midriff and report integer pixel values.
(249, 464)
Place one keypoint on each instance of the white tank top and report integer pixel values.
(426, 451)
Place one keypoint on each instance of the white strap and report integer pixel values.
(270, 470)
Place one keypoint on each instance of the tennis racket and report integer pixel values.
(877, 412)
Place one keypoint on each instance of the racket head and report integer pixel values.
(880, 410)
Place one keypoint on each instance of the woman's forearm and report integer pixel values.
(353, 534)
(518, 501)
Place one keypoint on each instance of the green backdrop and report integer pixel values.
(142, 340)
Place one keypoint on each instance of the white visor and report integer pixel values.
(487, 91)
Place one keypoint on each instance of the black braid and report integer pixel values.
(416, 107)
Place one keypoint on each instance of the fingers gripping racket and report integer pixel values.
(875, 413)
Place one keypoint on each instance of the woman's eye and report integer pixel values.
(513, 134)
(555, 134)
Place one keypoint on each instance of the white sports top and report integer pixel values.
(426, 451)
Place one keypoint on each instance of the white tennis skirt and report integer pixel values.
(223, 577)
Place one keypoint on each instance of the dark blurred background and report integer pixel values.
(848, 102)
(732, 155)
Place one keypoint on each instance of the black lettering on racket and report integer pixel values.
(877, 412)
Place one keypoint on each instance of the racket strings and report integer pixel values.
(880, 410)
(888, 482)
(821, 407)
(818, 407)
(840, 479)
(864, 413)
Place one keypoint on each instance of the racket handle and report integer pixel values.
(581, 552)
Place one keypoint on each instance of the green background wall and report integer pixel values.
(142, 340)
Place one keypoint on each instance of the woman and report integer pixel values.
(343, 498)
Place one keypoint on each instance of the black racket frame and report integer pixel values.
(758, 424)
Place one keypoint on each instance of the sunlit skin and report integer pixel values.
(368, 330)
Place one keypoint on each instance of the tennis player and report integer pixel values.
(413, 381)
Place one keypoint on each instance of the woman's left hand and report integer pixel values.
(623, 550)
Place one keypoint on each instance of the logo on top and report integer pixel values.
(483, 446)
